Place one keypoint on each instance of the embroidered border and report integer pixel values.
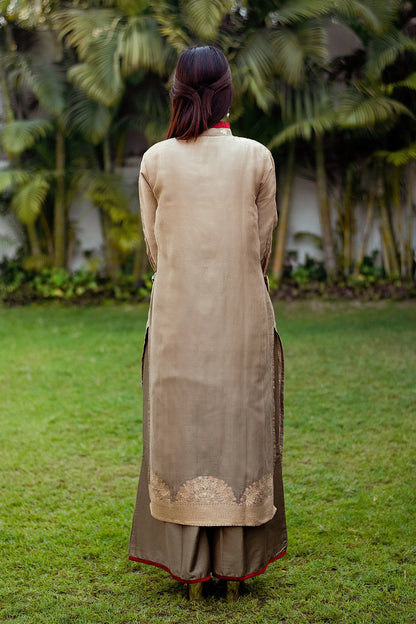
(209, 501)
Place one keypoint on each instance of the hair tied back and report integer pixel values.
(196, 108)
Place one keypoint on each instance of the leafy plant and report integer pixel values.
(368, 271)
(311, 271)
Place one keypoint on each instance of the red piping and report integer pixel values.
(177, 578)
(207, 578)
(222, 124)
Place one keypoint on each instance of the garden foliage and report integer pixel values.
(344, 119)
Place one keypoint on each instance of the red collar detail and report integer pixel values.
(222, 124)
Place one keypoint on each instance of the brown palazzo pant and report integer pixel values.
(192, 553)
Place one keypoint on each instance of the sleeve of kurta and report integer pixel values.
(266, 209)
(148, 205)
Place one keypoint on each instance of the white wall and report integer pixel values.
(304, 217)
(85, 220)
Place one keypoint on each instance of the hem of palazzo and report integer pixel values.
(211, 515)
(247, 576)
(207, 578)
(163, 567)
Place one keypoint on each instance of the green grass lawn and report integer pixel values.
(70, 412)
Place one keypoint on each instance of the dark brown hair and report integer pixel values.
(201, 92)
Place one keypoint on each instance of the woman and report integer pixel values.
(210, 496)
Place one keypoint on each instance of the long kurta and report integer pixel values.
(213, 382)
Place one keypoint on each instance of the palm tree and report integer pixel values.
(48, 86)
(323, 108)
(117, 58)
(266, 55)
(111, 45)
(119, 48)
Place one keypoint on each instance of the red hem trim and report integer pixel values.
(243, 578)
(207, 578)
(177, 578)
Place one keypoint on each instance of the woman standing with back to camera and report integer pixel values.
(210, 496)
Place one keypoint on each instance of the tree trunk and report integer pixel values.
(120, 150)
(8, 112)
(347, 229)
(409, 217)
(386, 255)
(286, 198)
(397, 203)
(8, 115)
(33, 239)
(367, 230)
(325, 213)
(112, 260)
(47, 233)
(392, 264)
(59, 231)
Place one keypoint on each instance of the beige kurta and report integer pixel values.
(208, 212)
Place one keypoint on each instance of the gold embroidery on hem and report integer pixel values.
(206, 489)
(159, 489)
(258, 492)
(212, 515)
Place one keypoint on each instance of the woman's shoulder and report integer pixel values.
(253, 150)
(252, 144)
(159, 148)
(239, 148)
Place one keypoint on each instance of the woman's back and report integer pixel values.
(211, 327)
(206, 192)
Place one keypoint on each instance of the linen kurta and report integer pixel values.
(213, 389)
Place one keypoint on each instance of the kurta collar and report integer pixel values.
(216, 132)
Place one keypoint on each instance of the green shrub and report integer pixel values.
(20, 286)
(311, 271)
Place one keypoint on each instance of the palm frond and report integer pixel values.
(12, 177)
(300, 10)
(253, 70)
(170, 24)
(384, 50)
(376, 15)
(408, 83)
(262, 93)
(361, 108)
(400, 157)
(132, 8)
(83, 28)
(47, 83)
(28, 200)
(100, 80)
(314, 40)
(140, 46)
(18, 136)
(26, 13)
(88, 117)
(305, 129)
(107, 191)
(312, 101)
(205, 16)
(289, 56)
(256, 56)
